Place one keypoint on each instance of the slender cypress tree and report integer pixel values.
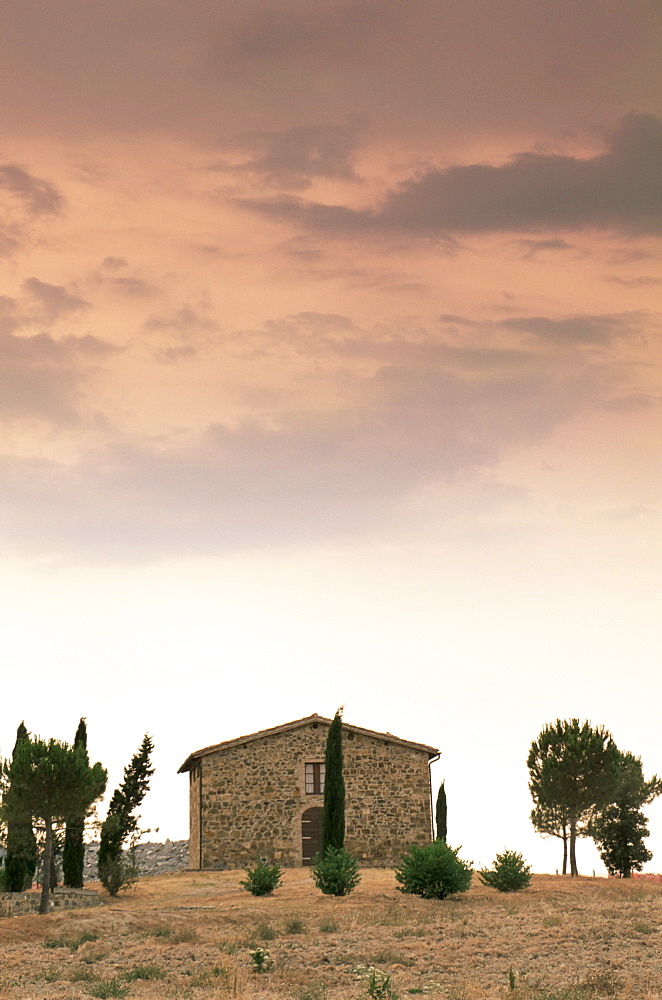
(21, 858)
(440, 813)
(121, 820)
(333, 816)
(73, 855)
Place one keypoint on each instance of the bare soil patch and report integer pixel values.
(190, 934)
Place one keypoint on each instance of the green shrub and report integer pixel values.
(508, 874)
(262, 880)
(433, 871)
(335, 872)
(117, 875)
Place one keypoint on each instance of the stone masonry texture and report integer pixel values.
(247, 799)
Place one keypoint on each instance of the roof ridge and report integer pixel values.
(274, 730)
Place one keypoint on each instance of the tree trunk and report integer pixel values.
(565, 851)
(573, 843)
(46, 866)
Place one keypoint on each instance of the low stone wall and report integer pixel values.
(15, 904)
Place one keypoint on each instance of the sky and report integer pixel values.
(330, 375)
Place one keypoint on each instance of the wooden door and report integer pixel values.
(311, 834)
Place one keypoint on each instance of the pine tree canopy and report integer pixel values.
(573, 766)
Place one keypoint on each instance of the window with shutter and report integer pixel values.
(314, 778)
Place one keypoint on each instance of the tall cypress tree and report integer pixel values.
(73, 856)
(121, 820)
(21, 858)
(440, 813)
(333, 816)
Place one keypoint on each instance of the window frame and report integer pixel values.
(313, 777)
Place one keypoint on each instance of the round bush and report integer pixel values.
(433, 871)
(262, 880)
(509, 873)
(335, 872)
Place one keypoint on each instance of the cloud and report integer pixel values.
(620, 189)
(576, 329)
(37, 196)
(53, 301)
(183, 320)
(424, 412)
(42, 378)
(631, 402)
(294, 157)
(533, 247)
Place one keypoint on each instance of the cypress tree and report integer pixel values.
(21, 858)
(333, 816)
(121, 820)
(73, 855)
(440, 813)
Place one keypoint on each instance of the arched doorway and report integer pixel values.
(311, 834)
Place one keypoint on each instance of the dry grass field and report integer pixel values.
(190, 935)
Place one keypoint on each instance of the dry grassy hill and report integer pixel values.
(189, 935)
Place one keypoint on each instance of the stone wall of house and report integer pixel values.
(253, 796)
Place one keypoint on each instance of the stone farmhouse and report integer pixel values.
(261, 796)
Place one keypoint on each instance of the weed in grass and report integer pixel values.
(377, 984)
(328, 925)
(145, 972)
(49, 975)
(642, 927)
(295, 926)
(90, 957)
(265, 932)
(261, 959)
(412, 932)
(553, 921)
(184, 935)
(108, 989)
(160, 932)
(82, 976)
(72, 943)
